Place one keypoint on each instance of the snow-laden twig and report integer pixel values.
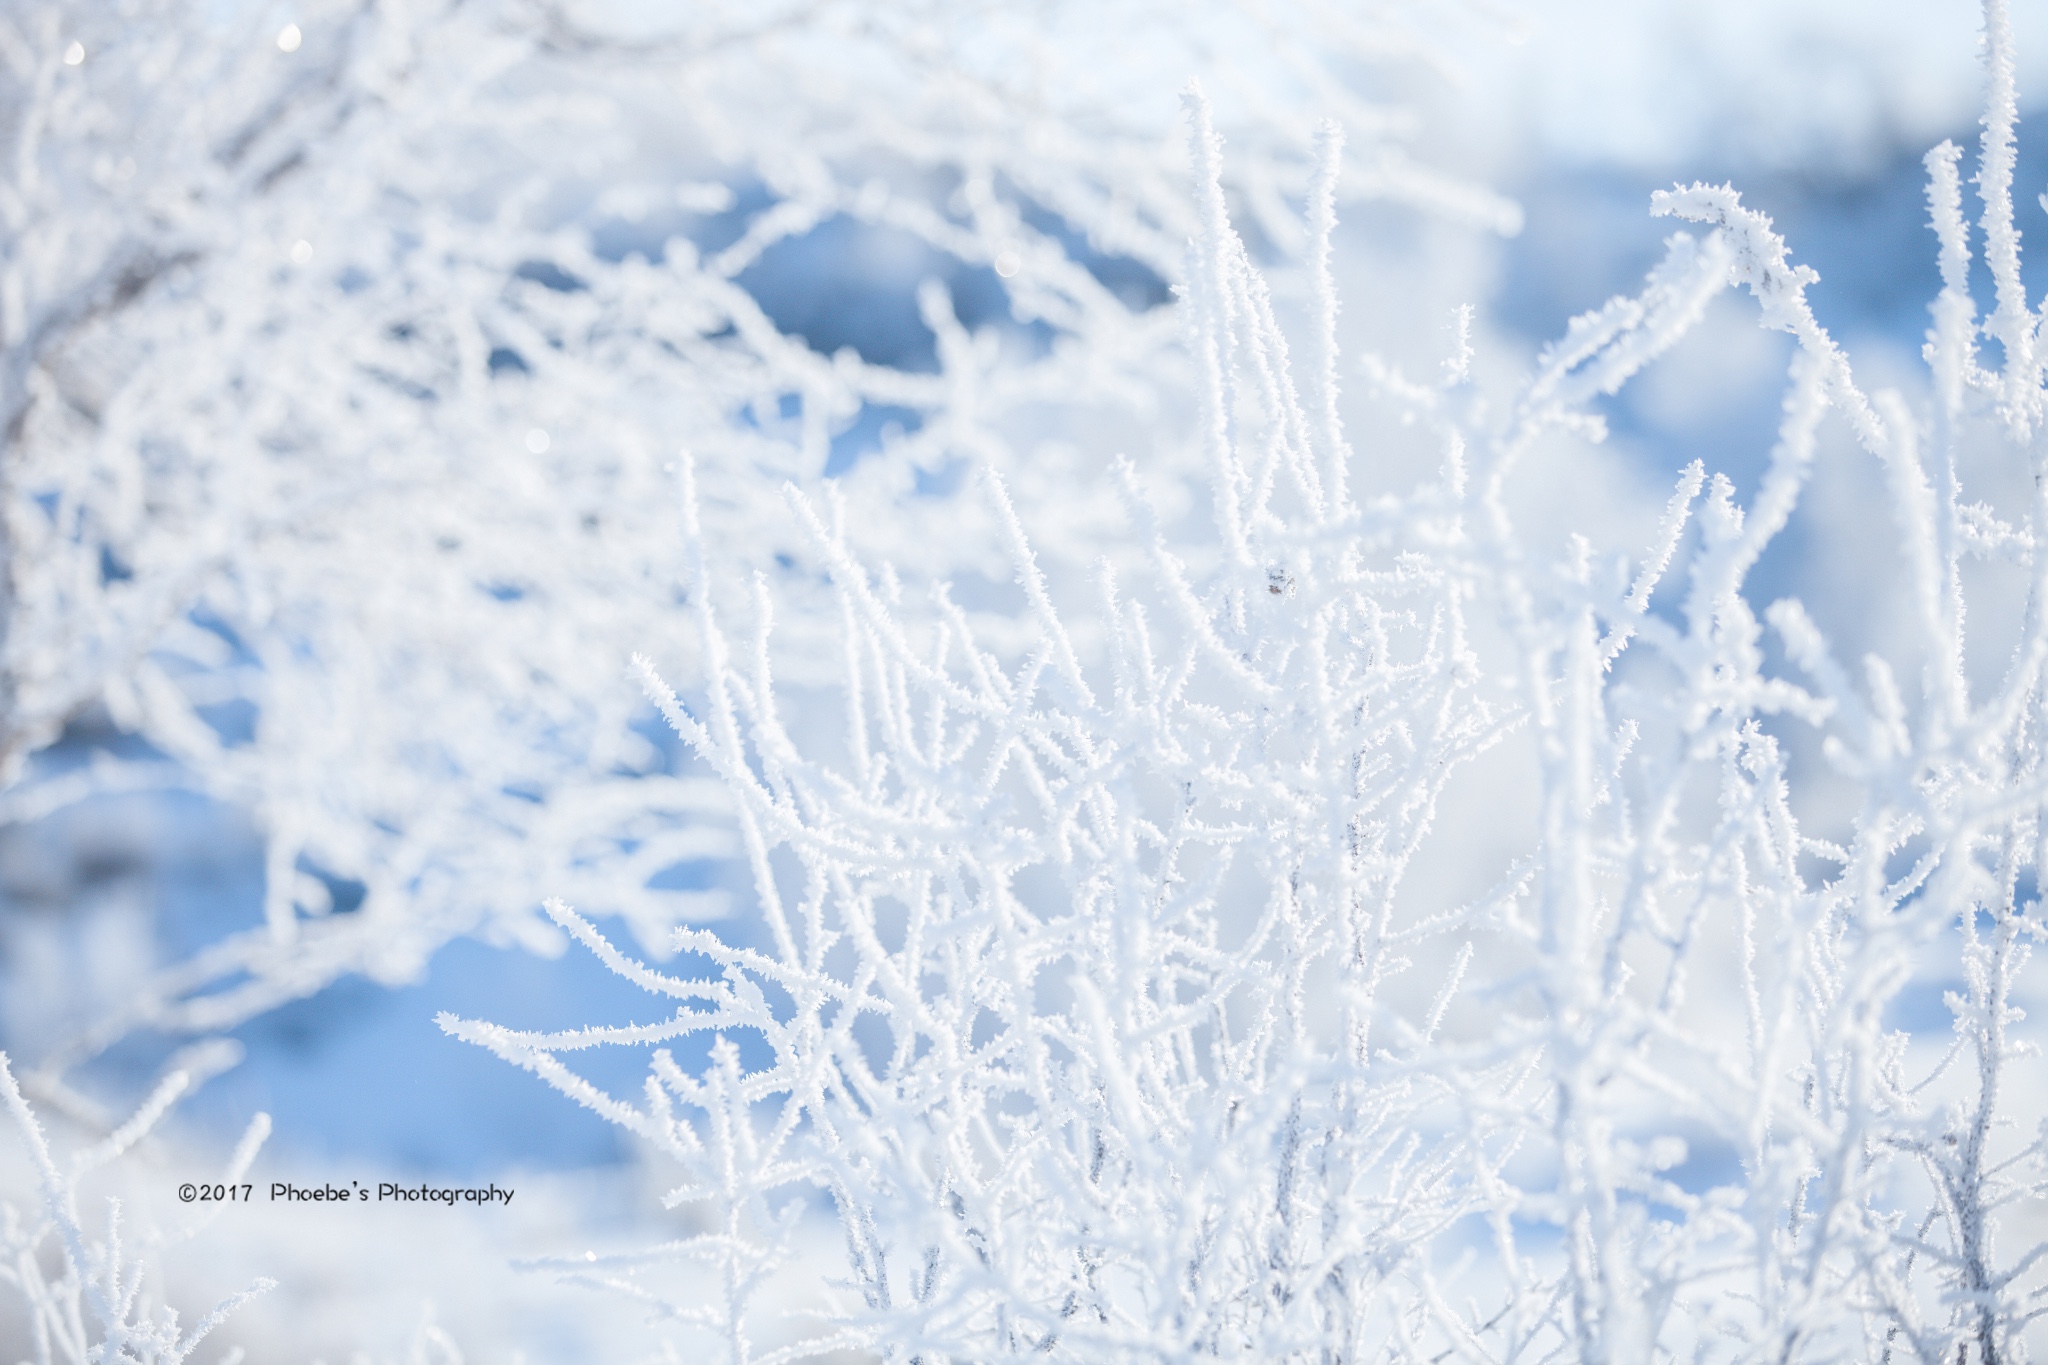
(99, 1309)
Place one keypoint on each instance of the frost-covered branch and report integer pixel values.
(1094, 982)
(99, 1305)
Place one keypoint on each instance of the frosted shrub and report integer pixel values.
(339, 390)
(1092, 987)
(1042, 953)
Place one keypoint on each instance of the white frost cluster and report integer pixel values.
(342, 367)
(1100, 984)
(101, 1306)
(1089, 988)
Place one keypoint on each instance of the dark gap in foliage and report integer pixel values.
(344, 894)
(503, 359)
(549, 275)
